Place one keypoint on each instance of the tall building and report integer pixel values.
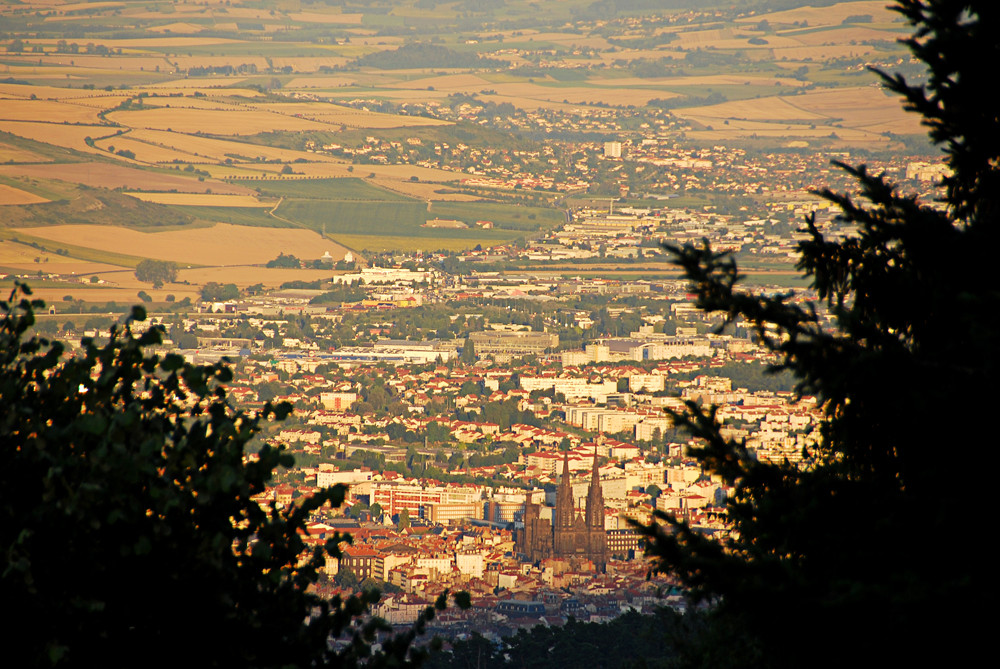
(568, 534)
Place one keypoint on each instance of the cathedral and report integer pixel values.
(568, 535)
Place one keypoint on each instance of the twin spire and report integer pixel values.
(565, 504)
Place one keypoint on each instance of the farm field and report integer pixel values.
(19, 257)
(209, 149)
(213, 122)
(11, 195)
(67, 136)
(421, 190)
(350, 188)
(243, 276)
(197, 246)
(109, 175)
(202, 199)
(858, 114)
(407, 218)
(290, 119)
(15, 154)
(380, 243)
(829, 14)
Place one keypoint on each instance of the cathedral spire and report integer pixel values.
(595, 498)
(564, 497)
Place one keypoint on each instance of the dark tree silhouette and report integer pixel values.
(864, 551)
(129, 524)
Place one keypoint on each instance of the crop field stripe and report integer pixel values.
(344, 188)
(362, 243)
(78, 252)
(251, 216)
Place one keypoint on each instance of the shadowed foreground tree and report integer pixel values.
(872, 548)
(128, 522)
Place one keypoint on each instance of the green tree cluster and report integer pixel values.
(156, 272)
(287, 261)
(859, 551)
(218, 292)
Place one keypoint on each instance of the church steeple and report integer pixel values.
(564, 497)
(595, 498)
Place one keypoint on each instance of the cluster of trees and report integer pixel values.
(225, 70)
(287, 261)
(340, 293)
(156, 272)
(504, 414)
(218, 292)
(713, 98)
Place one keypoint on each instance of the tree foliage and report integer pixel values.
(861, 551)
(217, 292)
(156, 271)
(287, 261)
(632, 640)
(130, 524)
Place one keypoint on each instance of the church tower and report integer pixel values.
(595, 499)
(568, 535)
(597, 537)
(564, 498)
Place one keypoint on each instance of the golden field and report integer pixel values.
(740, 79)
(340, 115)
(47, 111)
(323, 17)
(146, 152)
(10, 195)
(828, 15)
(25, 91)
(212, 122)
(15, 154)
(108, 175)
(70, 136)
(20, 257)
(859, 113)
(217, 150)
(245, 276)
(121, 294)
(178, 27)
(221, 244)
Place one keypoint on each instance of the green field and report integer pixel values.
(505, 216)
(350, 188)
(368, 218)
(406, 218)
(254, 216)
